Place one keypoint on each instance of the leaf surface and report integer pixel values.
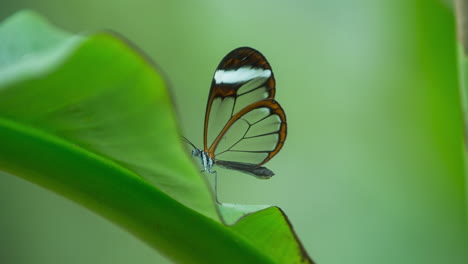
(90, 118)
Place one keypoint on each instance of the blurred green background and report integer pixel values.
(372, 170)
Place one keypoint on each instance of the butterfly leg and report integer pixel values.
(215, 185)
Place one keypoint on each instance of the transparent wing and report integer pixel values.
(243, 77)
(254, 135)
(244, 126)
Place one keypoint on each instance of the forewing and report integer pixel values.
(243, 123)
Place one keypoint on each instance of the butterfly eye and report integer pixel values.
(244, 126)
(195, 152)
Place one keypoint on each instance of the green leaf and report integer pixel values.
(99, 94)
(91, 119)
(272, 232)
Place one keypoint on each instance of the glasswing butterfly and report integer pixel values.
(244, 126)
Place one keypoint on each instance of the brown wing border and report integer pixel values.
(275, 109)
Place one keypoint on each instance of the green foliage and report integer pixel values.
(90, 118)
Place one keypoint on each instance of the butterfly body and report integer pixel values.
(244, 126)
(207, 164)
(205, 159)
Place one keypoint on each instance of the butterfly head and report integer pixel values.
(196, 152)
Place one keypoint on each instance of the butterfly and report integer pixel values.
(244, 126)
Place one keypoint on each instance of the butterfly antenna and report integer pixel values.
(188, 141)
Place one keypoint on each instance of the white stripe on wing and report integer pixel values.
(240, 75)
